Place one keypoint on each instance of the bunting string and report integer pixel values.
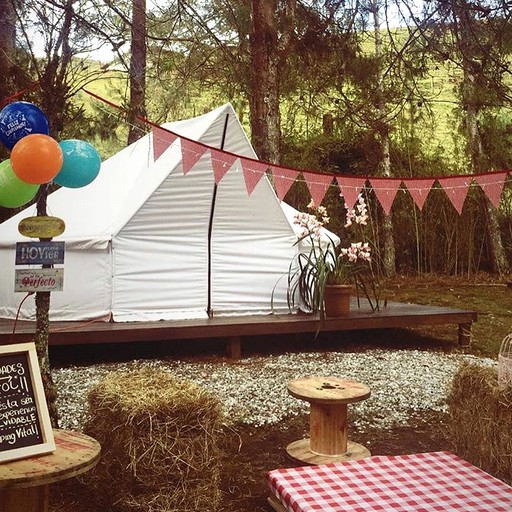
(456, 187)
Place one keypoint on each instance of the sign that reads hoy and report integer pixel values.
(39, 253)
(39, 280)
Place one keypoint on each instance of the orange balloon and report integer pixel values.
(36, 158)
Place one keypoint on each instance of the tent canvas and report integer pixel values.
(137, 237)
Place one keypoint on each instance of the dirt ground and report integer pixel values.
(262, 450)
(250, 452)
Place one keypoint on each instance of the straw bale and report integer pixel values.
(159, 438)
(480, 419)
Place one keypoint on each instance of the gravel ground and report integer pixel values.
(404, 383)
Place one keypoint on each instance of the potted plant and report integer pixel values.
(344, 276)
(327, 269)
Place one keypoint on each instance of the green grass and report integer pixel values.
(491, 299)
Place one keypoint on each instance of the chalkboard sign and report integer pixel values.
(25, 427)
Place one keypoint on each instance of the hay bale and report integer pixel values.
(159, 439)
(480, 421)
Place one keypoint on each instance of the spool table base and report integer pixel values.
(301, 450)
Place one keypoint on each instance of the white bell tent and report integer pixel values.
(145, 241)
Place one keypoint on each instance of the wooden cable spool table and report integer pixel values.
(24, 483)
(328, 398)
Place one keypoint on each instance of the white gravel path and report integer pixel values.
(403, 383)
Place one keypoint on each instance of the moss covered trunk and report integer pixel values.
(41, 338)
(42, 334)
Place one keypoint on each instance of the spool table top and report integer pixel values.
(75, 454)
(328, 390)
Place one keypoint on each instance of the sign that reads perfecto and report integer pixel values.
(41, 226)
(39, 253)
(39, 280)
(25, 427)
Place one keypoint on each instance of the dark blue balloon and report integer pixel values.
(19, 119)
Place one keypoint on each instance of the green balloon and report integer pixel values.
(13, 191)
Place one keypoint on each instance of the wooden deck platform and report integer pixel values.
(395, 315)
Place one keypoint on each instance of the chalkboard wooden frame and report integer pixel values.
(45, 442)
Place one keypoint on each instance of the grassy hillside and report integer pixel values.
(429, 115)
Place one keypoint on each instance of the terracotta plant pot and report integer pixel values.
(337, 299)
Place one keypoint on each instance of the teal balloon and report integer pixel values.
(13, 191)
(81, 164)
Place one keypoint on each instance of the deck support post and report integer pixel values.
(234, 347)
(465, 334)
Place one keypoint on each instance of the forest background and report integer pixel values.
(411, 89)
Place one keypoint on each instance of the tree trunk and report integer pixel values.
(53, 80)
(137, 108)
(388, 242)
(273, 113)
(264, 98)
(499, 263)
(42, 333)
(7, 45)
(41, 341)
(388, 255)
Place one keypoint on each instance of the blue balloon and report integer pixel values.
(81, 164)
(19, 119)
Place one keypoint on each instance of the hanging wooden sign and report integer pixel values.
(41, 226)
(25, 427)
(39, 280)
(39, 253)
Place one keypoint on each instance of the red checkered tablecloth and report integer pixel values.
(427, 482)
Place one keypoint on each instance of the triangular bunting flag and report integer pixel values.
(162, 139)
(385, 189)
(221, 163)
(456, 189)
(191, 152)
(317, 185)
(253, 172)
(350, 188)
(419, 190)
(492, 185)
(283, 180)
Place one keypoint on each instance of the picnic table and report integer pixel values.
(439, 481)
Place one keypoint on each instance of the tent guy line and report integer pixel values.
(456, 187)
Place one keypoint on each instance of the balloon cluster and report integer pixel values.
(36, 158)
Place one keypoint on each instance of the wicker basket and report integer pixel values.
(505, 362)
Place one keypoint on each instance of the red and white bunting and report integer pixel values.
(191, 152)
(456, 189)
(221, 163)
(492, 185)
(283, 180)
(317, 185)
(162, 139)
(419, 189)
(385, 189)
(350, 188)
(253, 172)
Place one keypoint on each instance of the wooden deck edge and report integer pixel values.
(234, 328)
(170, 331)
